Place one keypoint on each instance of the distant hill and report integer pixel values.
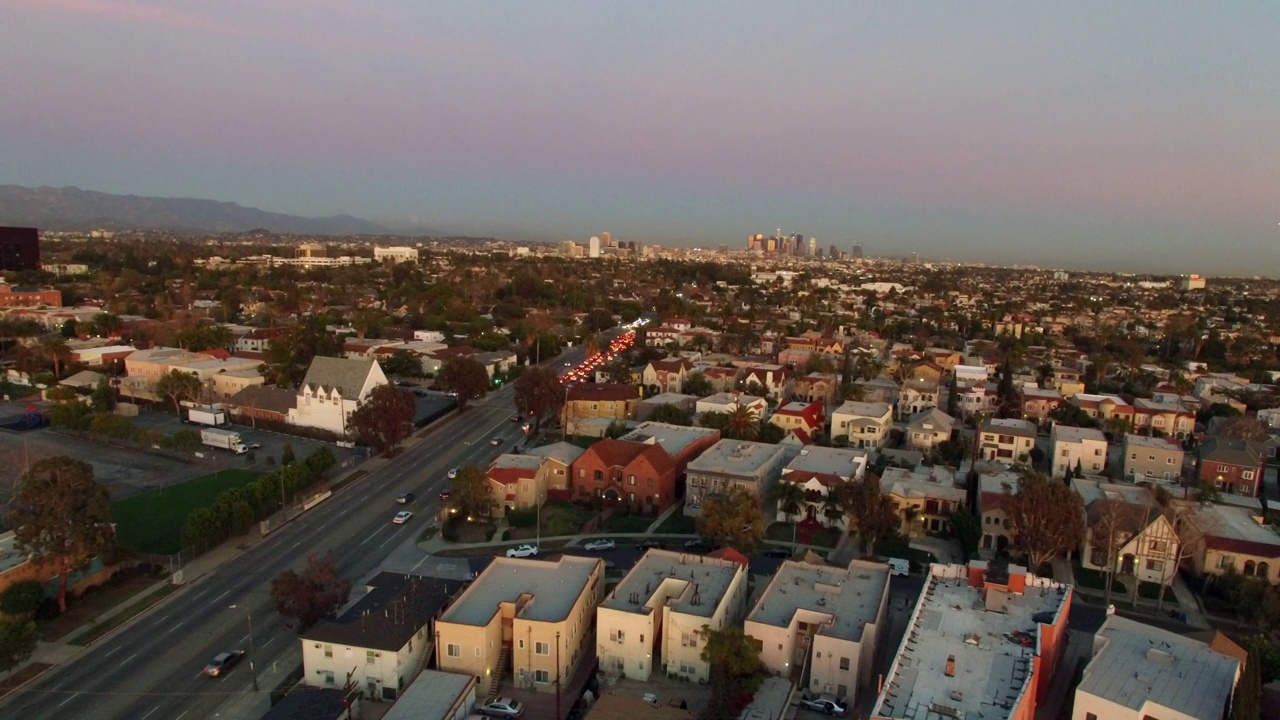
(71, 208)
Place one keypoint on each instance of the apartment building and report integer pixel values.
(1126, 531)
(751, 465)
(533, 616)
(928, 429)
(824, 621)
(588, 401)
(557, 461)
(727, 402)
(984, 640)
(924, 500)
(817, 387)
(516, 483)
(804, 420)
(1037, 403)
(1221, 537)
(1152, 459)
(865, 425)
(1165, 418)
(1233, 465)
(1007, 440)
(681, 443)
(1138, 671)
(1074, 447)
(818, 471)
(995, 493)
(651, 621)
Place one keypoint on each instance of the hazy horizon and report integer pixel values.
(1137, 137)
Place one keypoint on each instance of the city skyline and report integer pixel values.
(1096, 137)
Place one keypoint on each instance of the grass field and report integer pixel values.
(152, 522)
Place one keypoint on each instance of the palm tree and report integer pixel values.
(741, 423)
(55, 350)
(788, 496)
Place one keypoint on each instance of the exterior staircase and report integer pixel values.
(499, 671)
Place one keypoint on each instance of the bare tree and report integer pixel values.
(1046, 517)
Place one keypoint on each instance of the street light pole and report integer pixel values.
(253, 671)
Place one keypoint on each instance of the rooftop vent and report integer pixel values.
(1161, 657)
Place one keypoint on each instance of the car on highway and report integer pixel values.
(503, 707)
(402, 517)
(599, 545)
(522, 551)
(525, 427)
(444, 495)
(515, 418)
(825, 704)
(647, 544)
(405, 498)
(222, 663)
(777, 552)
(495, 441)
(453, 473)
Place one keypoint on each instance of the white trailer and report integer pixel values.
(212, 418)
(223, 440)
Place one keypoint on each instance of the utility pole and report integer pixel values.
(253, 671)
(558, 715)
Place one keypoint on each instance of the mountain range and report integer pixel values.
(70, 208)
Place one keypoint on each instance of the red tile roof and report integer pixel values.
(621, 453)
(511, 475)
(728, 553)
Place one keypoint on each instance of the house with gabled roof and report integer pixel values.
(666, 376)
(805, 419)
(1223, 538)
(817, 387)
(916, 396)
(775, 379)
(1125, 525)
(641, 475)
(516, 482)
(331, 391)
(818, 471)
(558, 459)
(1233, 465)
(928, 429)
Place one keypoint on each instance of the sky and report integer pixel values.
(1136, 136)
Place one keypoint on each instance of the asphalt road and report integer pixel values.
(152, 670)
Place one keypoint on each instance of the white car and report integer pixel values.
(502, 707)
(402, 517)
(826, 704)
(453, 473)
(522, 551)
(496, 441)
(598, 545)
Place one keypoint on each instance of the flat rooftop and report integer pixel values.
(553, 584)
(431, 696)
(736, 457)
(1140, 666)
(863, 409)
(669, 398)
(1153, 443)
(939, 484)
(851, 596)
(991, 668)
(727, 399)
(841, 462)
(689, 584)
(672, 438)
(1234, 522)
(1066, 433)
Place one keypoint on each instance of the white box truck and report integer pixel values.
(223, 440)
(212, 418)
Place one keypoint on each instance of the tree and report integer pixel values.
(671, 414)
(464, 376)
(54, 349)
(178, 386)
(696, 383)
(21, 599)
(1046, 517)
(1246, 702)
(384, 419)
(286, 454)
(470, 492)
(967, 530)
(713, 420)
(870, 510)
(617, 371)
(288, 358)
(402, 363)
(62, 516)
(788, 497)
(616, 429)
(734, 660)
(741, 423)
(733, 518)
(304, 599)
(538, 393)
(18, 640)
(103, 397)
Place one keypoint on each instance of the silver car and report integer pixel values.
(503, 707)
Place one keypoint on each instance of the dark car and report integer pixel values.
(654, 544)
(444, 495)
(777, 552)
(699, 546)
(222, 663)
(405, 498)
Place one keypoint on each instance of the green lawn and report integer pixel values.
(1097, 580)
(677, 523)
(563, 518)
(152, 522)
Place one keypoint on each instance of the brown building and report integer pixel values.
(611, 401)
(618, 471)
(1232, 465)
(19, 296)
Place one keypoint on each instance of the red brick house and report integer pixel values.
(1232, 465)
(619, 471)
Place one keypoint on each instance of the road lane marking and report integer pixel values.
(296, 544)
(219, 597)
(244, 639)
(175, 627)
(153, 710)
(69, 699)
(184, 712)
(126, 660)
(371, 536)
(391, 537)
(202, 592)
(113, 651)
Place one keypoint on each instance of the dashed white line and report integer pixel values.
(371, 536)
(126, 660)
(390, 537)
(113, 651)
(184, 712)
(175, 627)
(71, 697)
(222, 596)
(153, 710)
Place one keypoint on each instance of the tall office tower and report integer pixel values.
(915, 258)
(751, 242)
(857, 251)
(724, 249)
(817, 252)
(19, 248)
(606, 240)
(833, 253)
(813, 248)
(593, 247)
(771, 245)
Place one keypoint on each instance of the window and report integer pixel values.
(631, 480)
(368, 657)
(541, 676)
(688, 640)
(1226, 561)
(687, 669)
(328, 676)
(1159, 546)
(844, 663)
(541, 648)
(1168, 461)
(1155, 565)
(477, 651)
(1223, 468)
(582, 472)
(1097, 451)
(1151, 457)
(1247, 475)
(328, 651)
(520, 644)
(599, 476)
(454, 651)
(1090, 716)
(1065, 453)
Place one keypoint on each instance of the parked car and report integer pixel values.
(521, 551)
(599, 545)
(405, 498)
(825, 704)
(699, 546)
(647, 544)
(255, 446)
(777, 552)
(402, 517)
(222, 663)
(515, 418)
(453, 473)
(502, 707)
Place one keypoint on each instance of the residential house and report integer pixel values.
(751, 465)
(516, 483)
(646, 407)
(775, 379)
(805, 420)
(1138, 671)
(258, 340)
(1007, 440)
(978, 398)
(970, 375)
(995, 495)
(879, 390)
(817, 387)
(1066, 381)
(652, 620)
(916, 397)
(943, 661)
(824, 621)
(1163, 418)
(1074, 447)
(383, 637)
(864, 425)
(666, 376)
(638, 474)
(926, 370)
(928, 429)
(1233, 465)
(1112, 411)
(943, 358)
(722, 379)
(1221, 537)
(924, 500)
(532, 615)
(727, 402)
(557, 463)
(819, 471)
(607, 401)
(1037, 403)
(1125, 525)
(331, 391)
(1152, 459)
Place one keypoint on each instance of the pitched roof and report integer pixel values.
(621, 453)
(938, 419)
(265, 397)
(562, 452)
(347, 375)
(1232, 451)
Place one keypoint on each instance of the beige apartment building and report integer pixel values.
(1007, 440)
(650, 622)
(532, 616)
(823, 621)
(1152, 459)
